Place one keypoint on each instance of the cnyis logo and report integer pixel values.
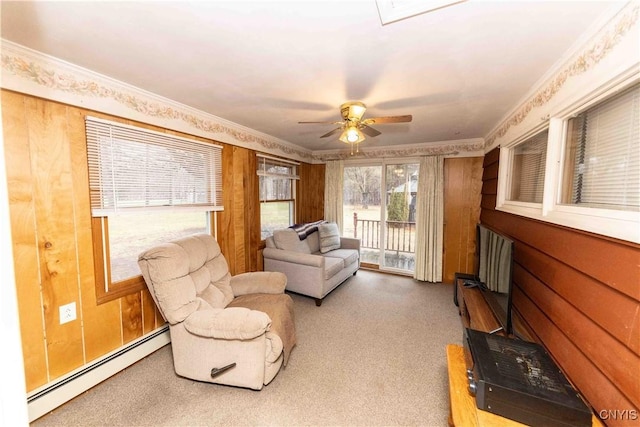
(619, 414)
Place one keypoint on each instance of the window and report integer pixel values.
(528, 168)
(590, 175)
(602, 155)
(277, 193)
(146, 188)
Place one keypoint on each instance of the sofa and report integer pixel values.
(315, 262)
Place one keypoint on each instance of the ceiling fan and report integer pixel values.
(354, 127)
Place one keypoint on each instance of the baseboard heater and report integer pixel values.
(52, 395)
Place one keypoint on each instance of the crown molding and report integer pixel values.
(594, 51)
(31, 72)
(455, 148)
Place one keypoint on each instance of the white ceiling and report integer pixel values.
(268, 64)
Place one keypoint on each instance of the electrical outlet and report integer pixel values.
(67, 312)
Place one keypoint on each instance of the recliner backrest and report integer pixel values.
(186, 275)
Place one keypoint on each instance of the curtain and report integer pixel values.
(333, 192)
(429, 219)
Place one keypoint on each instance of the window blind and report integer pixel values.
(137, 169)
(276, 178)
(606, 169)
(528, 169)
(272, 166)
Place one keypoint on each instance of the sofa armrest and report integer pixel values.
(294, 257)
(233, 323)
(258, 282)
(350, 243)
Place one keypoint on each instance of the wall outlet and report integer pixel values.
(67, 312)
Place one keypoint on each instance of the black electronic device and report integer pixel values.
(494, 265)
(518, 380)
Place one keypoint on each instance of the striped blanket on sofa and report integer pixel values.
(306, 229)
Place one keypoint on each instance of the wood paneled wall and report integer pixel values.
(462, 182)
(579, 294)
(45, 147)
(310, 193)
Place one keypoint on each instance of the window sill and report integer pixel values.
(616, 224)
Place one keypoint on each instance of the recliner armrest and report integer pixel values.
(294, 257)
(234, 323)
(258, 282)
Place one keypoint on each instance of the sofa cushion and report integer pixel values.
(329, 237)
(349, 256)
(288, 240)
(332, 266)
(313, 240)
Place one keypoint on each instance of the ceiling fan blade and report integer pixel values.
(389, 119)
(369, 131)
(326, 123)
(336, 130)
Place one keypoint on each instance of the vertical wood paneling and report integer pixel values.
(225, 229)
(100, 335)
(462, 183)
(149, 320)
(239, 174)
(310, 193)
(252, 223)
(56, 230)
(578, 293)
(23, 233)
(131, 308)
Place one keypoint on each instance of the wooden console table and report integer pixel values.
(475, 314)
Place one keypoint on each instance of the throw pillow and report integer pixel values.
(329, 237)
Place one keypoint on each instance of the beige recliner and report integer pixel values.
(227, 330)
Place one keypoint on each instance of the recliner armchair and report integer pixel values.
(227, 330)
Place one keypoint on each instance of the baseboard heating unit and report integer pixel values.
(60, 391)
(519, 380)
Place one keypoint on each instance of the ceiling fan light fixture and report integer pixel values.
(352, 135)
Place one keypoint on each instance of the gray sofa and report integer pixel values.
(309, 271)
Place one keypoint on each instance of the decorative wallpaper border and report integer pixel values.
(452, 148)
(596, 50)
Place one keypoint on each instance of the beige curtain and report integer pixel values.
(333, 192)
(429, 219)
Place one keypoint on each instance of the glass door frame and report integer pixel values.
(383, 163)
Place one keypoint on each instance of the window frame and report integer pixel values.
(294, 177)
(105, 289)
(618, 224)
(510, 160)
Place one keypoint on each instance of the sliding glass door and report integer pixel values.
(379, 209)
(362, 209)
(401, 186)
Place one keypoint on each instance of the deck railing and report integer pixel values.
(399, 235)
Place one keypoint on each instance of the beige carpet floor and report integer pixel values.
(372, 354)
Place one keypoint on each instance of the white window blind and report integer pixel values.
(606, 167)
(528, 168)
(137, 169)
(276, 177)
